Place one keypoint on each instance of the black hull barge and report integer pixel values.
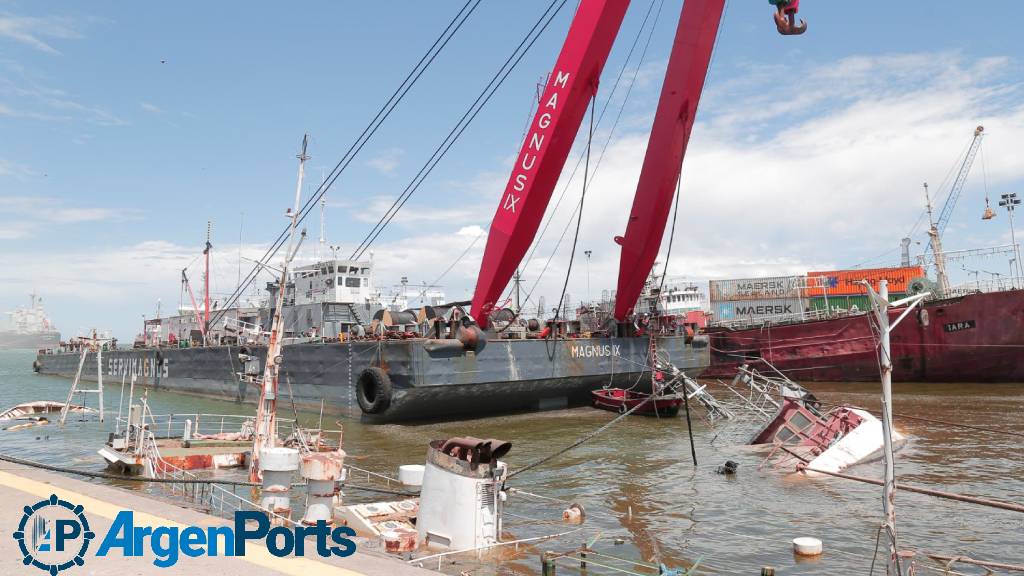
(398, 380)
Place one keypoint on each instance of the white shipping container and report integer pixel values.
(738, 311)
(770, 287)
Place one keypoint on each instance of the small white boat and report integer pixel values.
(38, 408)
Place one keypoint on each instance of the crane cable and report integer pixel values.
(579, 221)
(600, 157)
(604, 148)
(382, 114)
(467, 118)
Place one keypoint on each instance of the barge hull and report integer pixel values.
(507, 376)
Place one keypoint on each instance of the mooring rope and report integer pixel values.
(582, 439)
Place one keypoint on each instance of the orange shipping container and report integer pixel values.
(845, 282)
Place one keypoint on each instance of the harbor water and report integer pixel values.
(643, 496)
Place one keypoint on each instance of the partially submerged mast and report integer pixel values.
(266, 414)
(880, 307)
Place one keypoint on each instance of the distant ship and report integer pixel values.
(29, 328)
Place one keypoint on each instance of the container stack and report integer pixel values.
(840, 290)
(754, 300)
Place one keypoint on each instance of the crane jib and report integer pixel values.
(560, 112)
(677, 108)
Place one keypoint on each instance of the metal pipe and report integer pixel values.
(1011, 506)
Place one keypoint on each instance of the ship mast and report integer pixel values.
(936, 244)
(206, 285)
(266, 414)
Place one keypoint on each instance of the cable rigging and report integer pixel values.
(467, 118)
(385, 111)
(604, 148)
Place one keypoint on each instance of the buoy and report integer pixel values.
(806, 546)
(574, 514)
(411, 474)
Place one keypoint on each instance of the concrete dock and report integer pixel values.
(21, 486)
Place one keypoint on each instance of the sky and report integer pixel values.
(126, 127)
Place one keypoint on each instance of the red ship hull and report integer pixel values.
(619, 400)
(973, 338)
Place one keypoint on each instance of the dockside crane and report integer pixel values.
(938, 227)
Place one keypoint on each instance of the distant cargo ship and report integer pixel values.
(30, 329)
(973, 337)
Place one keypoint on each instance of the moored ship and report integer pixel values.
(30, 328)
(972, 337)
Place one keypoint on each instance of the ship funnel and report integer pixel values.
(461, 498)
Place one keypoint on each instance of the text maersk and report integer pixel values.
(764, 310)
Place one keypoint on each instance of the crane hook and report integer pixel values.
(785, 17)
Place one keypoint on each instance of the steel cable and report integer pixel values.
(385, 111)
(456, 132)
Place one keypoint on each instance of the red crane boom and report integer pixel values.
(677, 109)
(572, 84)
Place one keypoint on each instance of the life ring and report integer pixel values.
(373, 390)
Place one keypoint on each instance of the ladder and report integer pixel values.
(694, 390)
(98, 344)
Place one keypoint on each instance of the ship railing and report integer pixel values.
(175, 425)
(981, 286)
(750, 322)
(218, 499)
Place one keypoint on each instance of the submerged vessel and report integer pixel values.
(29, 329)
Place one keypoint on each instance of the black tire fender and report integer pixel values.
(373, 390)
(36, 366)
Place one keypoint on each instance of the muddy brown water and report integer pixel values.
(640, 488)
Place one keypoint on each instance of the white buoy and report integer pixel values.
(278, 465)
(321, 470)
(411, 474)
(806, 546)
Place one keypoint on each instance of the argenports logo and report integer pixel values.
(53, 535)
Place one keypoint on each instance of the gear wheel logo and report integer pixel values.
(53, 535)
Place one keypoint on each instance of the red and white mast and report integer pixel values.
(570, 87)
(266, 413)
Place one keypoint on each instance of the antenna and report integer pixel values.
(323, 228)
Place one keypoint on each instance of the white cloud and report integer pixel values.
(151, 108)
(386, 161)
(31, 31)
(14, 230)
(38, 211)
